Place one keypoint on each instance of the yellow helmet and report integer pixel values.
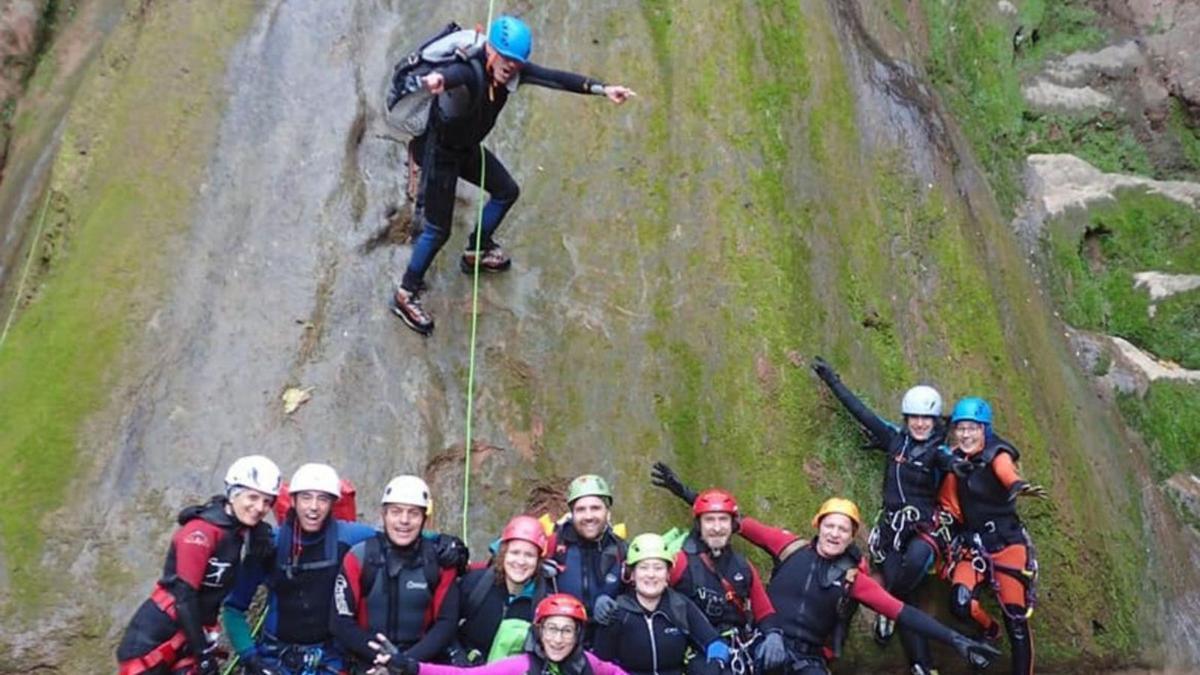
(838, 505)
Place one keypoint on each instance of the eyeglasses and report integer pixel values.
(560, 631)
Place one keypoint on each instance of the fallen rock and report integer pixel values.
(1062, 182)
(1162, 285)
(1081, 67)
(1150, 367)
(1185, 487)
(1171, 27)
(1049, 96)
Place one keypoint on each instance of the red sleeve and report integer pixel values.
(445, 581)
(760, 602)
(351, 592)
(678, 568)
(948, 496)
(1005, 469)
(868, 591)
(771, 539)
(194, 544)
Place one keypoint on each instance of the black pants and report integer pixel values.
(441, 168)
(903, 573)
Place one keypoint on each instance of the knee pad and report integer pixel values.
(960, 602)
(1016, 623)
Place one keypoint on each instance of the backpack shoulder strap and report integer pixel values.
(474, 596)
(677, 607)
(372, 563)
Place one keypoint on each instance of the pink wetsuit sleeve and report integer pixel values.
(602, 667)
(513, 665)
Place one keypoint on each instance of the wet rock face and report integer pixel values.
(1170, 28)
(20, 23)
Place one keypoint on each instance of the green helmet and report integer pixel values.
(648, 546)
(589, 485)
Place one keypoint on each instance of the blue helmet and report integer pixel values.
(511, 38)
(973, 409)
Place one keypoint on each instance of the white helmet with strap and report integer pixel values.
(317, 478)
(921, 400)
(255, 472)
(409, 490)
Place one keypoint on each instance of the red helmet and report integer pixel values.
(560, 604)
(525, 528)
(715, 500)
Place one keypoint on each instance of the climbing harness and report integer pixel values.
(984, 564)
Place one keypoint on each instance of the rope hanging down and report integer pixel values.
(474, 326)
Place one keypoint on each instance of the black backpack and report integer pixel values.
(409, 104)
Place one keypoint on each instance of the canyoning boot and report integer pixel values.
(407, 305)
(884, 629)
(494, 260)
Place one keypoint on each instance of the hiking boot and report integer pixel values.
(406, 305)
(494, 260)
(884, 629)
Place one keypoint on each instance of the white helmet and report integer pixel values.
(318, 478)
(255, 472)
(921, 400)
(407, 490)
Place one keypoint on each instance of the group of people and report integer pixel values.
(574, 596)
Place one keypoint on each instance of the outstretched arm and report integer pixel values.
(532, 73)
(881, 430)
(774, 540)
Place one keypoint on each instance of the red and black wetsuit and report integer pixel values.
(168, 630)
(401, 592)
(450, 149)
(810, 593)
(726, 587)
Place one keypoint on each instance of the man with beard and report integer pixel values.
(723, 583)
(586, 553)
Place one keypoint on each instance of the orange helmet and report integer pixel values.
(838, 505)
(715, 500)
(525, 528)
(560, 604)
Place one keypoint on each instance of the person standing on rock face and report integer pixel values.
(308, 549)
(393, 586)
(994, 546)
(585, 553)
(902, 544)
(451, 149)
(175, 631)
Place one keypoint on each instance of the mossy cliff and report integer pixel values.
(779, 189)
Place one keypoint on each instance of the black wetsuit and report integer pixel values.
(656, 642)
(901, 547)
(450, 149)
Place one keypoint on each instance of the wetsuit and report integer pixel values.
(656, 642)
(171, 628)
(728, 590)
(402, 592)
(813, 596)
(589, 568)
(485, 603)
(994, 547)
(299, 578)
(901, 544)
(450, 149)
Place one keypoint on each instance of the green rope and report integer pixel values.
(474, 324)
(25, 272)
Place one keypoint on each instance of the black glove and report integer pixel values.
(1031, 490)
(254, 665)
(662, 476)
(978, 654)
(962, 467)
(398, 663)
(771, 652)
(463, 658)
(208, 666)
(823, 369)
(605, 610)
(452, 552)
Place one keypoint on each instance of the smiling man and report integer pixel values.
(470, 93)
(299, 576)
(393, 587)
(586, 551)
